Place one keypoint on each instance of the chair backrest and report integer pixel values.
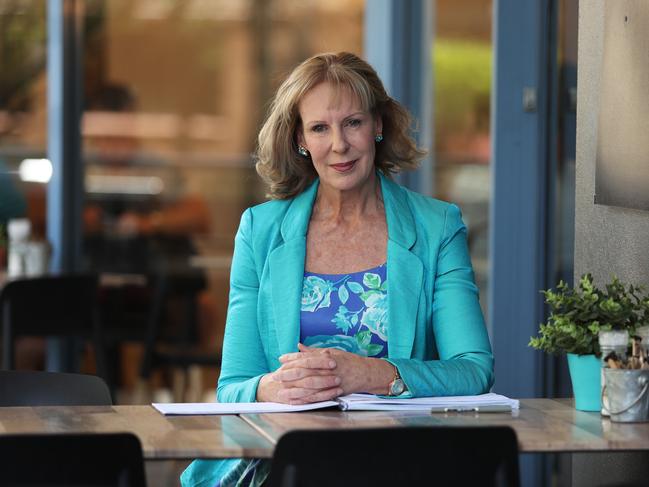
(63, 306)
(29, 388)
(57, 460)
(458, 456)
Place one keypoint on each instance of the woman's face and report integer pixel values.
(339, 135)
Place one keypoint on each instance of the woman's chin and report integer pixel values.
(348, 181)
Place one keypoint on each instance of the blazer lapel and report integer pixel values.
(286, 273)
(405, 271)
(287, 270)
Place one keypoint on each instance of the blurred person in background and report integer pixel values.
(131, 199)
(137, 217)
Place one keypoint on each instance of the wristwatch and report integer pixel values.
(397, 386)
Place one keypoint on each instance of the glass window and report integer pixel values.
(462, 57)
(24, 169)
(175, 93)
(23, 117)
(566, 125)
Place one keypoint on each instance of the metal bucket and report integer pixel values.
(628, 395)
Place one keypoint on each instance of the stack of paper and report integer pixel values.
(352, 402)
(483, 402)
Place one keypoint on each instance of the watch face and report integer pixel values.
(396, 387)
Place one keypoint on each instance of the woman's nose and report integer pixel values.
(339, 143)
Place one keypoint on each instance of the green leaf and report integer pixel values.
(340, 319)
(343, 295)
(367, 294)
(341, 323)
(355, 287)
(374, 349)
(578, 314)
(363, 338)
(371, 280)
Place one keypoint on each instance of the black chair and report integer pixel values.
(57, 460)
(180, 350)
(135, 308)
(52, 306)
(30, 388)
(458, 456)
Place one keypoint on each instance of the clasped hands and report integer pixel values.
(321, 374)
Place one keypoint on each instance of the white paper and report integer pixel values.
(486, 402)
(198, 408)
(351, 402)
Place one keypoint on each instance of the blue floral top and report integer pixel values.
(346, 311)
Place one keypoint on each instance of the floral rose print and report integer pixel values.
(347, 311)
(359, 344)
(315, 293)
(341, 342)
(376, 321)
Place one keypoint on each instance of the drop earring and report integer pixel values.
(378, 138)
(302, 151)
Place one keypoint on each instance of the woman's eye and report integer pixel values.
(318, 128)
(354, 122)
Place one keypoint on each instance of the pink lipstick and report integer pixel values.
(344, 166)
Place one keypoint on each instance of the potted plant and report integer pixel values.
(577, 315)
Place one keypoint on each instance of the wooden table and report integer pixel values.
(542, 425)
(162, 437)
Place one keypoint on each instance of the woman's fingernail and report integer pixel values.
(332, 364)
(339, 392)
(337, 380)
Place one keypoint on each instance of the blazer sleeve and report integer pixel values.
(244, 361)
(465, 365)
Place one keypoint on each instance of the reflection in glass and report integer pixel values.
(22, 116)
(24, 171)
(174, 96)
(462, 58)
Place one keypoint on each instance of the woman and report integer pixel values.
(345, 282)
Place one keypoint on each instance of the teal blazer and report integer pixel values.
(436, 333)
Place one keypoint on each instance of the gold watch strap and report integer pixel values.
(396, 377)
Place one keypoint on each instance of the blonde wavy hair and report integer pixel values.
(277, 161)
